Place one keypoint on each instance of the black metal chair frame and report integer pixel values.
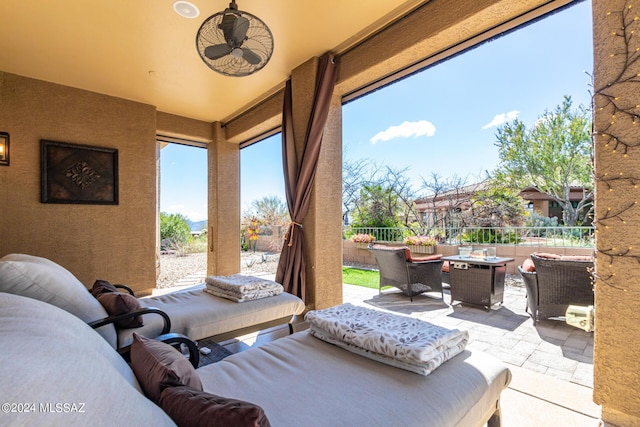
(173, 339)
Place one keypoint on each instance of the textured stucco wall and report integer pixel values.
(223, 257)
(178, 126)
(115, 243)
(617, 157)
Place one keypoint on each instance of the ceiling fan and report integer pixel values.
(234, 42)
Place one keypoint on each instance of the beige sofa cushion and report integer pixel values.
(44, 280)
(50, 356)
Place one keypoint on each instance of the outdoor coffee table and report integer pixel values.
(477, 281)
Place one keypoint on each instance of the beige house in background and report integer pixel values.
(441, 210)
(545, 205)
(125, 75)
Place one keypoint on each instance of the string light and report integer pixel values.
(615, 136)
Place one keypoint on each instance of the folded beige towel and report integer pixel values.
(240, 283)
(247, 296)
(241, 288)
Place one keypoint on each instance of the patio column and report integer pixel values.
(223, 255)
(616, 33)
(323, 222)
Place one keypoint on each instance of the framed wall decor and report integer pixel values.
(74, 173)
(4, 149)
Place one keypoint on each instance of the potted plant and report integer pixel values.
(362, 240)
(421, 244)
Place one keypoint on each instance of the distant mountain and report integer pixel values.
(197, 225)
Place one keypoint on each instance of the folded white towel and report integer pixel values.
(247, 296)
(393, 339)
(241, 284)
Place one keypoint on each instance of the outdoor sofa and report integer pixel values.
(56, 370)
(554, 282)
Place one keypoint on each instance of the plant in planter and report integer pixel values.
(253, 230)
(362, 240)
(421, 244)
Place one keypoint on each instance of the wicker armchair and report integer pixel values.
(412, 277)
(555, 284)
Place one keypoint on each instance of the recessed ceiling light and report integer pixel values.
(186, 9)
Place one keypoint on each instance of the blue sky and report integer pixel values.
(442, 120)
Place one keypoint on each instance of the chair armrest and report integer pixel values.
(126, 288)
(145, 310)
(174, 339)
(530, 279)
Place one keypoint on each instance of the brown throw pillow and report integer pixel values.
(194, 408)
(158, 365)
(116, 303)
(101, 287)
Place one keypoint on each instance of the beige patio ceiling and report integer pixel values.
(142, 50)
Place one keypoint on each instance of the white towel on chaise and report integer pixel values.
(393, 339)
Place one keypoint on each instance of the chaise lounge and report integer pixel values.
(57, 370)
(192, 312)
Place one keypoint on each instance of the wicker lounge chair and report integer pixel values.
(411, 276)
(557, 283)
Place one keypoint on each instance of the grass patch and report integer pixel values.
(365, 278)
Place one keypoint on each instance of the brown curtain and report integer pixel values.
(299, 178)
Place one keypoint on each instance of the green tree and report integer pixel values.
(497, 206)
(377, 207)
(551, 156)
(270, 210)
(174, 227)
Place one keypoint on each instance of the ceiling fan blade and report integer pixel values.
(240, 28)
(249, 56)
(217, 51)
(227, 25)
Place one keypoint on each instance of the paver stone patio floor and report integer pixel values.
(551, 347)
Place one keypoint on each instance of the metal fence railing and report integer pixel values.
(380, 234)
(579, 236)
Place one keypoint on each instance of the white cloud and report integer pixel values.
(501, 118)
(405, 130)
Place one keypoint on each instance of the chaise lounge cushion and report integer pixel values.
(199, 315)
(460, 392)
(50, 356)
(44, 280)
(158, 365)
(195, 408)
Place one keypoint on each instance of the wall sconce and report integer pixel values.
(4, 149)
